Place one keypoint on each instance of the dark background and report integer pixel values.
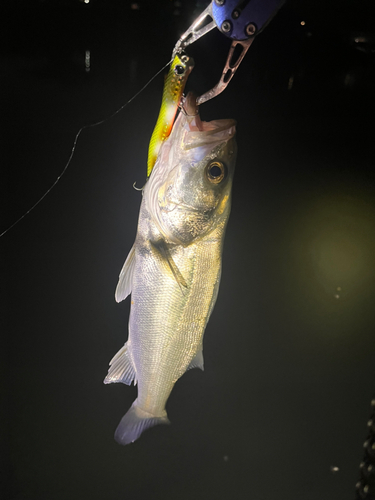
(290, 348)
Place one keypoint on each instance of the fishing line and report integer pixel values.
(75, 144)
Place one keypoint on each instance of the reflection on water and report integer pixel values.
(342, 244)
(87, 60)
(332, 258)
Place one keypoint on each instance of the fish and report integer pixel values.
(174, 85)
(173, 269)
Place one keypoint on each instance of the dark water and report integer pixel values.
(290, 348)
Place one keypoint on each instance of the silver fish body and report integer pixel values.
(173, 270)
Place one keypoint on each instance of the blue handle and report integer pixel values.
(241, 19)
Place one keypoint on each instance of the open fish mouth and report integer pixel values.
(212, 133)
(203, 133)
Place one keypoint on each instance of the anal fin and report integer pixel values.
(197, 361)
(121, 368)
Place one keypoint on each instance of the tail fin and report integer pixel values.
(134, 422)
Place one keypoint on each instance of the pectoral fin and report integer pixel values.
(161, 247)
(124, 285)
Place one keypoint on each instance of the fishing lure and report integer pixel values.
(174, 85)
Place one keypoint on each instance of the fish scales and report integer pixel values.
(173, 270)
(169, 343)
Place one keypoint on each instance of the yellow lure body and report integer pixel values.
(174, 85)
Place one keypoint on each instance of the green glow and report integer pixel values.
(328, 261)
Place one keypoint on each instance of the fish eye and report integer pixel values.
(179, 70)
(215, 172)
